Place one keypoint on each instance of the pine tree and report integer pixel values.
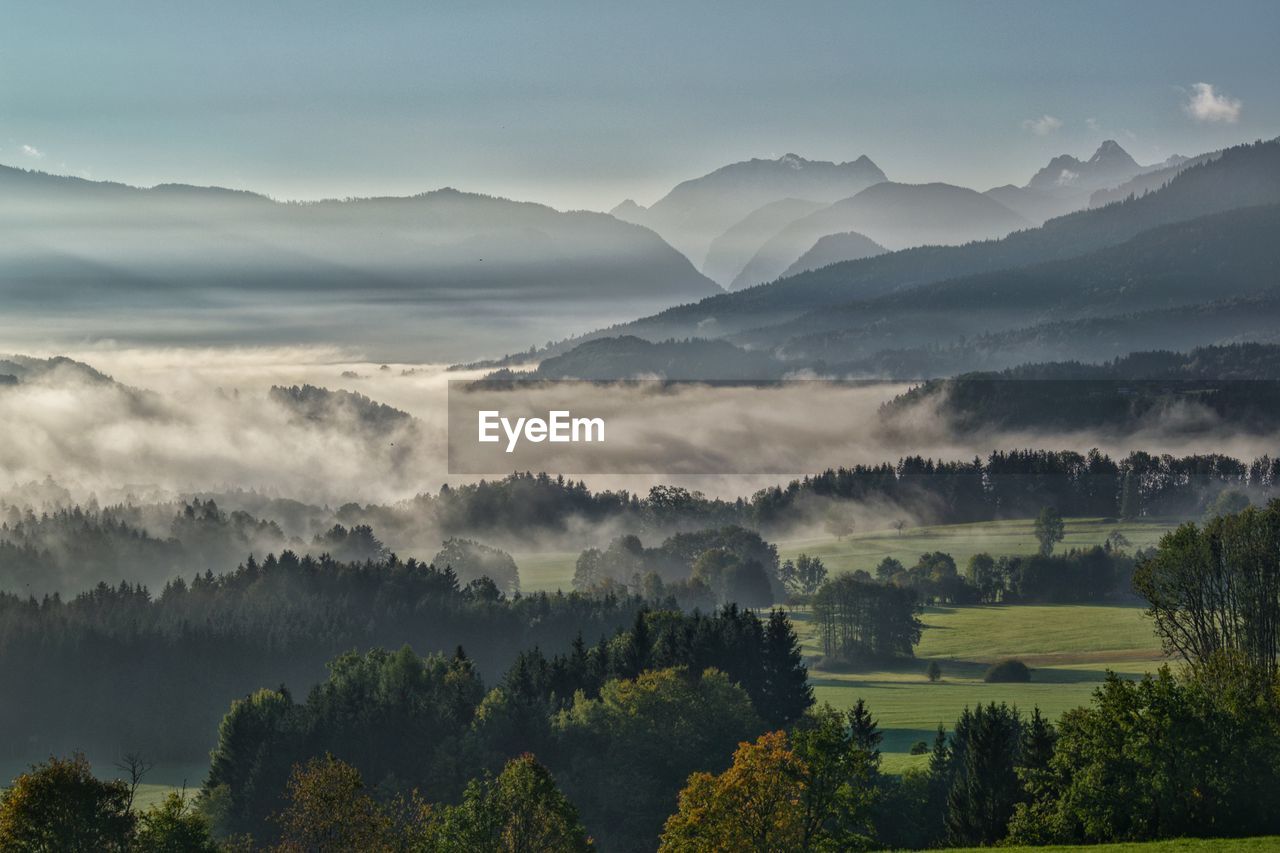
(785, 693)
(864, 731)
(985, 785)
(1038, 740)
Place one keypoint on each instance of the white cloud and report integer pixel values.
(1206, 104)
(1042, 126)
(33, 152)
(1093, 125)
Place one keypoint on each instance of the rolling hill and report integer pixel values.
(834, 248)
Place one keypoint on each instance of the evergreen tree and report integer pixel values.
(865, 731)
(785, 692)
(985, 787)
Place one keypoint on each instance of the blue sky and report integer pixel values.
(582, 104)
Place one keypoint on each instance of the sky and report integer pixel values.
(580, 105)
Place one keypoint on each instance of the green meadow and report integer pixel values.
(1070, 648)
(552, 570)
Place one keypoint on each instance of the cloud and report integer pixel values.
(1093, 124)
(1042, 126)
(1206, 104)
(33, 152)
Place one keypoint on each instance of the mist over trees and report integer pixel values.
(66, 547)
(186, 651)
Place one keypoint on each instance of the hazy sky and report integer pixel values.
(582, 104)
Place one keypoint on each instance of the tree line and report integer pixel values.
(657, 747)
(71, 547)
(159, 669)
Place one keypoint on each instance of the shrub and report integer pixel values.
(919, 748)
(1008, 671)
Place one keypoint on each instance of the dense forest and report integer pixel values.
(183, 653)
(1194, 392)
(696, 732)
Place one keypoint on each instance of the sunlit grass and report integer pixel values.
(552, 570)
(1069, 648)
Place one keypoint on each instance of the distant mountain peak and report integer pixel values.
(1111, 153)
(627, 210)
(699, 210)
(1109, 166)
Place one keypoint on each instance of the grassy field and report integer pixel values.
(1069, 648)
(962, 541)
(552, 570)
(1177, 845)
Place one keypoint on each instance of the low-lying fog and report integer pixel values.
(183, 420)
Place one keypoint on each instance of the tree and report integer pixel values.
(1158, 758)
(841, 755)
(60, 806)
(327, 811)
(755, 805)
(785, 694)
(983, 574)
(887, 568)
(473, 560)
(713, 567)
(1130, 497)
(985, 753)
(1216, 589)
(633, 748)
(137, 768)
(861, 620)
(839, 523)
(899, 525)
(747, 584)
(1050, 529)
(173, 826)
(804, 576)
(1007, 671)
(934, 672)
(940, 775)
(1228, 502)
(1117, 541)
(589, 573)
(812, 790)
(521, 810)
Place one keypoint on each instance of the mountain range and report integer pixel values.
(1200, 246)
(750, 222)
(887, 214)
(1068, 184)
(830, 263)
(422, 269)
(694, 213)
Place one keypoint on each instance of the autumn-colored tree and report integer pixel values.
(328, 810)
(757, 804)
(60, 806)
